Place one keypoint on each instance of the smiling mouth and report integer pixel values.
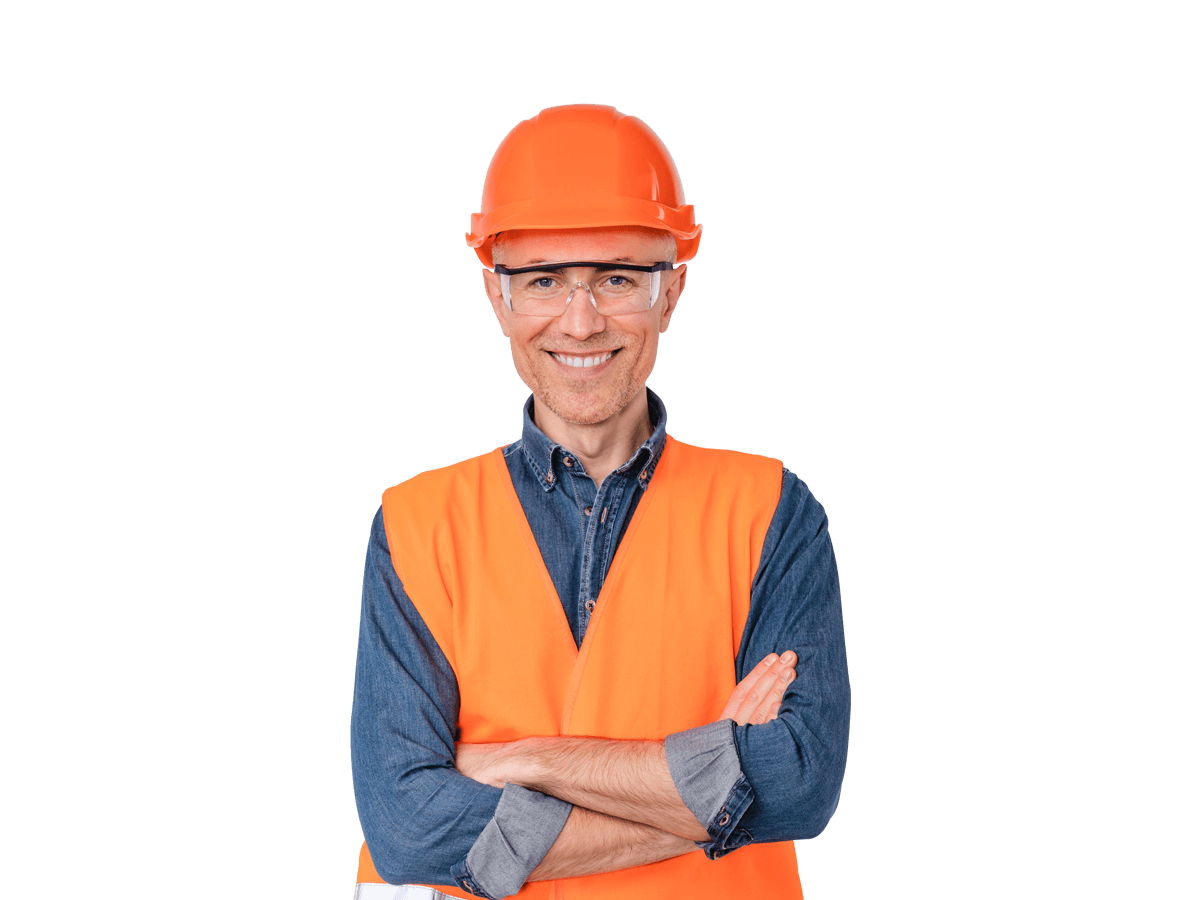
(584, 362)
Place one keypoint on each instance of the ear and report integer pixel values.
(672, 288)
(491, 284)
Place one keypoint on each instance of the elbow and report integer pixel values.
(400, 857)
(389, 869)
(415, 830)
(421, 829)
(817, 771)
(390, 856)
(404, 854)
(817, 816)
(818, 789)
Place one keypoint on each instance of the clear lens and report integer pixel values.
(614, 291)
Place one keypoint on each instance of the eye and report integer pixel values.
(618, 281)
(544, 282)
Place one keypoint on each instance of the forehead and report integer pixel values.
(636, 245)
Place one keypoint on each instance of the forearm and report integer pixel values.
(625, 779)
(592, 843)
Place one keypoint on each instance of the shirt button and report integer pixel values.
(568, 462)
(587, 511)
(550, 477)
(724, 820)
(644, 475)
(590, 606)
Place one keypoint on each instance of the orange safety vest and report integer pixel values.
(658, 655)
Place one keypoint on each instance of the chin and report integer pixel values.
(594, 420)
(583, 408)
(581, 413)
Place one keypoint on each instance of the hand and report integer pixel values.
(756, 699)
(483, 762)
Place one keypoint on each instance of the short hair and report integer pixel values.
(669, 253)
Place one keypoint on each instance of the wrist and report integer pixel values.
(525, 762)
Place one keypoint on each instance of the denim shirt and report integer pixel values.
(426, 823)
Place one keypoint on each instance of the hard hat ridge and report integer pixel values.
(582, 166)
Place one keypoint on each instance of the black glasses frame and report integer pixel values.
(554, 267)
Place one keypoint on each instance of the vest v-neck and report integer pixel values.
(551, 592)
(583, 652)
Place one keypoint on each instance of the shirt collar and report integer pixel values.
(542, 453)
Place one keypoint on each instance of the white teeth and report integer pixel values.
(581, 362)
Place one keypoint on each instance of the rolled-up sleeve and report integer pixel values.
(707, 773)
(424, 821)
(781, 780)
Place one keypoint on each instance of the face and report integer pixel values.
(623, 347)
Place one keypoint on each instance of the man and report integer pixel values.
(596, 662)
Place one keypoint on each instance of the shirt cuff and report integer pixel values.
(523, 828)
(707, 773)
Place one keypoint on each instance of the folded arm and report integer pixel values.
(591, 843)
(628, 780)
(781, 773)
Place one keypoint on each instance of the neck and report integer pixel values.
(605, 445)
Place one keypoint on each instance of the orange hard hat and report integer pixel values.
(582, 166)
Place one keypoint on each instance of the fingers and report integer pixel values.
(745, 685)
(758, 696)
(757, 672)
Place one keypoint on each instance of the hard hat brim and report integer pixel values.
(532, 215)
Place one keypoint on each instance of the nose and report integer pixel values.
(581, 319)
